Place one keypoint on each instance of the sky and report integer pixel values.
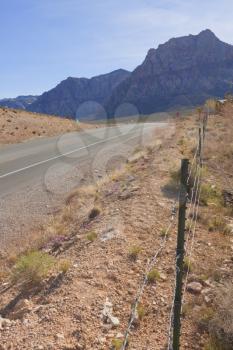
(45, 41)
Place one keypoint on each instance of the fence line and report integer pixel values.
(151, 264)
(193, 210)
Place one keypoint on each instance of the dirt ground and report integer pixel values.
(18, 125)
(132, 208)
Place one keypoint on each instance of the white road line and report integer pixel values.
(63, 155)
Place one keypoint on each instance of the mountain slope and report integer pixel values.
(182, 72)
(20, 102)
(66, 98)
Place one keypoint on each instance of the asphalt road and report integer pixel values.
(22, 163)
(35, 176)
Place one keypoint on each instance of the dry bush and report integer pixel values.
(64, 265)
(221, 326)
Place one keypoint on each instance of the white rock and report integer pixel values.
(107, 314)
(194, 287)
(4, 322)
(59, 336)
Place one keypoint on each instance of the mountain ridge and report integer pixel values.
(182, 72)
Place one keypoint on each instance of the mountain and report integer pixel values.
(184, 71)
(20, 102)
(67, 97)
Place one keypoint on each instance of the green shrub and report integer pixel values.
(164, 233)
(117, 344)
(32, 268)
(134, 252)
(210, 194)
(91, 236)
(64, 265)
(153, 275)
(141, 311)
(187, 265)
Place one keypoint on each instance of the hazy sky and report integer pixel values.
(45, 41)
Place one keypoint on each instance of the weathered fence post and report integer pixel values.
(180, 253)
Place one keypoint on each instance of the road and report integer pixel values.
(36, 175)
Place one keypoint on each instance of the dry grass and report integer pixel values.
(64, 265)
(221, 325)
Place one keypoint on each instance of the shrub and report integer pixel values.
(32, 268)
(64, 265)
(164, 233)
(211, 345)
(91, 236)
(187, 265)
(94, 212)
(117, 344)
(221, 325)
(210, 194)
(219, 224)
(205, 315)
(141, 311)
(153, 275)
(186, 309)
(134, 252)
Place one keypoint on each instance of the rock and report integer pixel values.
(194, 287)
(153, 87)
(119, 336)
(125, 195)
(4, 322)
(114, 320)
(163, 277)
(59, 336)
(207, 300)
(109, 234)
(107, 314)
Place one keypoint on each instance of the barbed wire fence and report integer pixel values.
(190, 191)
(193, 208)
(150, 266)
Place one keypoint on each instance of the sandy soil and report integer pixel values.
(18, 125)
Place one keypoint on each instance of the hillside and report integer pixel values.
(19, 125)
(184, 71)
(101, 242)
(20, 102)
(65, 99)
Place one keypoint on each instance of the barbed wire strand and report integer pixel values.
(198, 190)
(145, 278)
(189, 255)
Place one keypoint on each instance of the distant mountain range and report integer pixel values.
(20, 102)
(182, 72)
